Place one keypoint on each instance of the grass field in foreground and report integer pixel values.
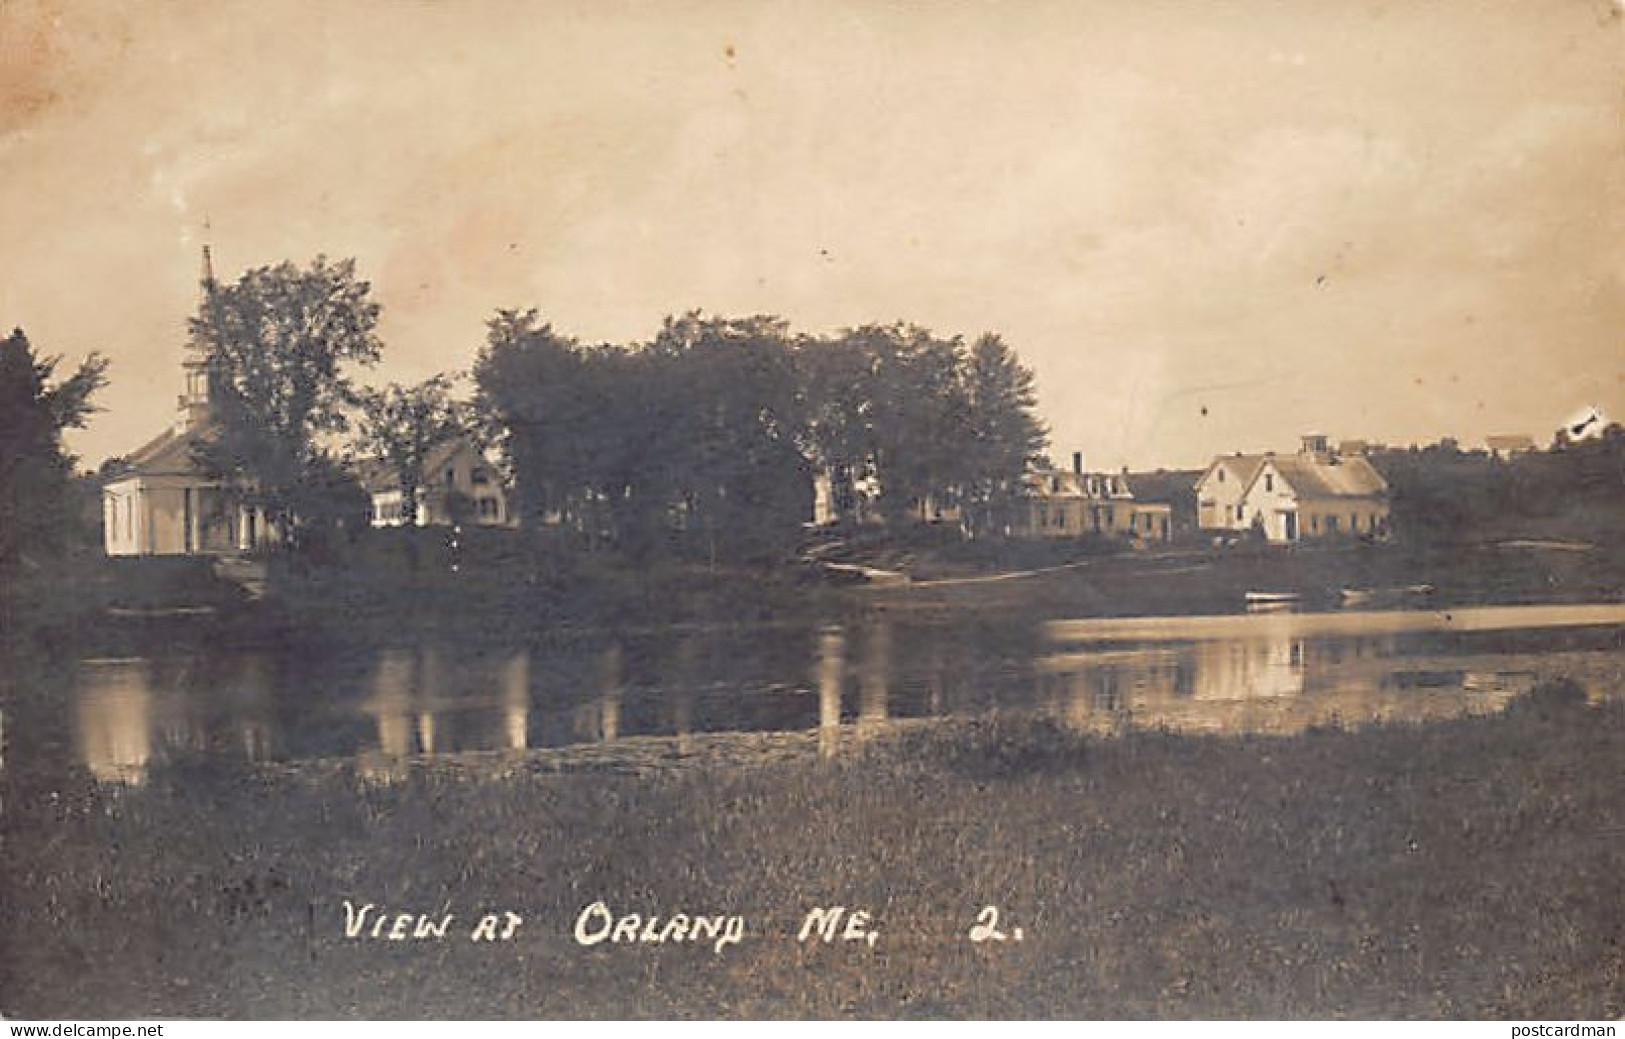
(1470, 868)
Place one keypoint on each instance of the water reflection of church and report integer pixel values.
(133, 714)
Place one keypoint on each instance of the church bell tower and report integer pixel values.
(196, 403)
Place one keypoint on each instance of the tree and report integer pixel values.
(531, 399)
(1003, 435)
(402, 424)
(35, 470)
(727, 431)
(837, 431)
(278, 342)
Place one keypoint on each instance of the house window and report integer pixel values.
(451, 476)
(1331, 524)
(1269, 482)
(1354, 521)
(1221, 475)
(480, 477)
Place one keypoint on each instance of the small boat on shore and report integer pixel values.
(160, 612)
(1384, 596)
(1272, 602)
(1265, 598)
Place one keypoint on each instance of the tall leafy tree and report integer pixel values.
(532, 400)
(916, 409)
(1002, 433)
(733, 418)
(838, 414)
(401, 425)
(280, 342)
(35, 470)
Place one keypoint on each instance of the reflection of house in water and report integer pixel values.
(874, 679)
(1252, 669)
(115, 721)
(830, 677)
(1275, 680)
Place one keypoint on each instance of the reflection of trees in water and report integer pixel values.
(599, 720)
(874, 678)
(435, 700)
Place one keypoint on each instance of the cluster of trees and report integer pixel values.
(716, 427)
(711, 432)
(713, 429)
(1440, 492)
(38, 508)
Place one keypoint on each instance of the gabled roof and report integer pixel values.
(1242, 468)
(1321, 477)
(377, 475)
(169, 453)
(1170, 485)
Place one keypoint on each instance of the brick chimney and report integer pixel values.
(1077, 463)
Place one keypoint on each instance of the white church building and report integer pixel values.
(159, 503)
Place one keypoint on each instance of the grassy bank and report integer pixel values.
(394, 589)
(1205, 580)
(401, 585)
(1466, 869)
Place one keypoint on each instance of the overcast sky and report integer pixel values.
(1208, 226)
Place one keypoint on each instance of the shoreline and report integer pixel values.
(113, 608)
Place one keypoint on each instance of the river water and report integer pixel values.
(1265, 673)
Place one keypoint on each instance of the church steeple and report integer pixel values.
(195, 404)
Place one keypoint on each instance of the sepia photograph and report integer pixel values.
(738, 510)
